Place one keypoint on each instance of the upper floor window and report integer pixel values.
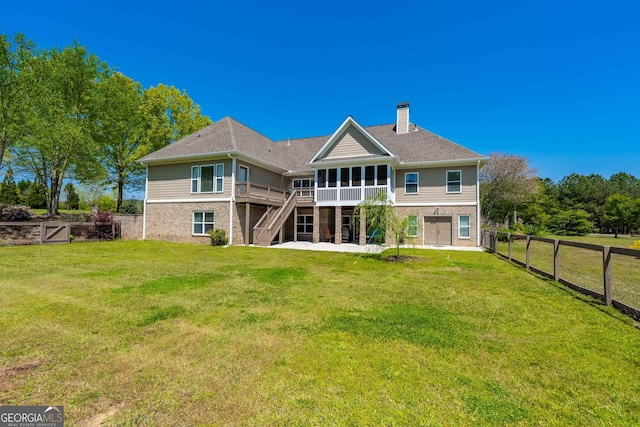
(301, 183)
(382, 175)
(454, 181)
(207, 178)
(411, 183)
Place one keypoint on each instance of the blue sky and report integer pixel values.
(556, 81)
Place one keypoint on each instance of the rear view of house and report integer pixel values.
(230, 177)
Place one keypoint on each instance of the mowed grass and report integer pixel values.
(167, 334)
(584, 267)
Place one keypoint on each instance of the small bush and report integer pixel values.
(129, 208)
(102, 225)
(636, 245)
(218, 237)
(15, 213)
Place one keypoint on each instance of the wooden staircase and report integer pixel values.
(272, 221)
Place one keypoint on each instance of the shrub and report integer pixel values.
(15, 213)
(570, 223)
(103, 225)
(636, 245)
(218, 237)
(107, 203)
(129, 208)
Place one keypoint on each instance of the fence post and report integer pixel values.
(509, 244)
(606, 268)
(494, 241)
(556, 260)
(528, 263)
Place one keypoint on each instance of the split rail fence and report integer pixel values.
(608, 273)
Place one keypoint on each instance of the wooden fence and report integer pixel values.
(608, 273)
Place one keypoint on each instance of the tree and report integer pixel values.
(624, 183)
(59, 87)
(73, 200)
(37, 198)
(584, 192)
(170, 115)
(570, 222)
(619, 211)
(13, 54)
(381, 217)
(9, 189)
(506, 181)
(131, 123)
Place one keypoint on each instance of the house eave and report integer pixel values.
(439, 163)
(205, 156)
(393, 160)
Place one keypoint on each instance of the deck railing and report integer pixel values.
(349, 194)
(255, 191)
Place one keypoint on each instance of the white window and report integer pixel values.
(412, 230)
(454, 181)
(304, 186)
(305, 224)
(411, 183)
(207, 178)
(202, 222)
(464, 226)
(195, 178)
(219, 177)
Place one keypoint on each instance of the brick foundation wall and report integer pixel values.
(130, 226)
(174, 221)
(452, 211)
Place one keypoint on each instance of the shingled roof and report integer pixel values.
(228, 136)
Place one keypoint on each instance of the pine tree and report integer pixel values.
(9, 189)
(73, 200)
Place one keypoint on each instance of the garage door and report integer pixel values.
(438, 230)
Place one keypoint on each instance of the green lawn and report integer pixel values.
(584, 266)
(168, 334)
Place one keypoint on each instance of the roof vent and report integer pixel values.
(402, 118)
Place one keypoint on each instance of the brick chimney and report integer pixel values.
(402, 118)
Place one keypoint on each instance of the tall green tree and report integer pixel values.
(13, 53)
(619, 211)
(121, 133)
(59, 86)
(9, 189)
(132, 122)
(170, 115)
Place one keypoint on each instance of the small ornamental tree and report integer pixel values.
(382, 218)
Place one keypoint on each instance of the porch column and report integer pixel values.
(295, 224)
(337, 236)
(363, 228)
(316, 224)
(247, 223)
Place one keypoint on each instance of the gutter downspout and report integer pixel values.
(478, 213)
(233, 197)
(144, 207)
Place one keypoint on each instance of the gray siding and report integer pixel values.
(352, 143)
(432, 186)
(171, 182)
